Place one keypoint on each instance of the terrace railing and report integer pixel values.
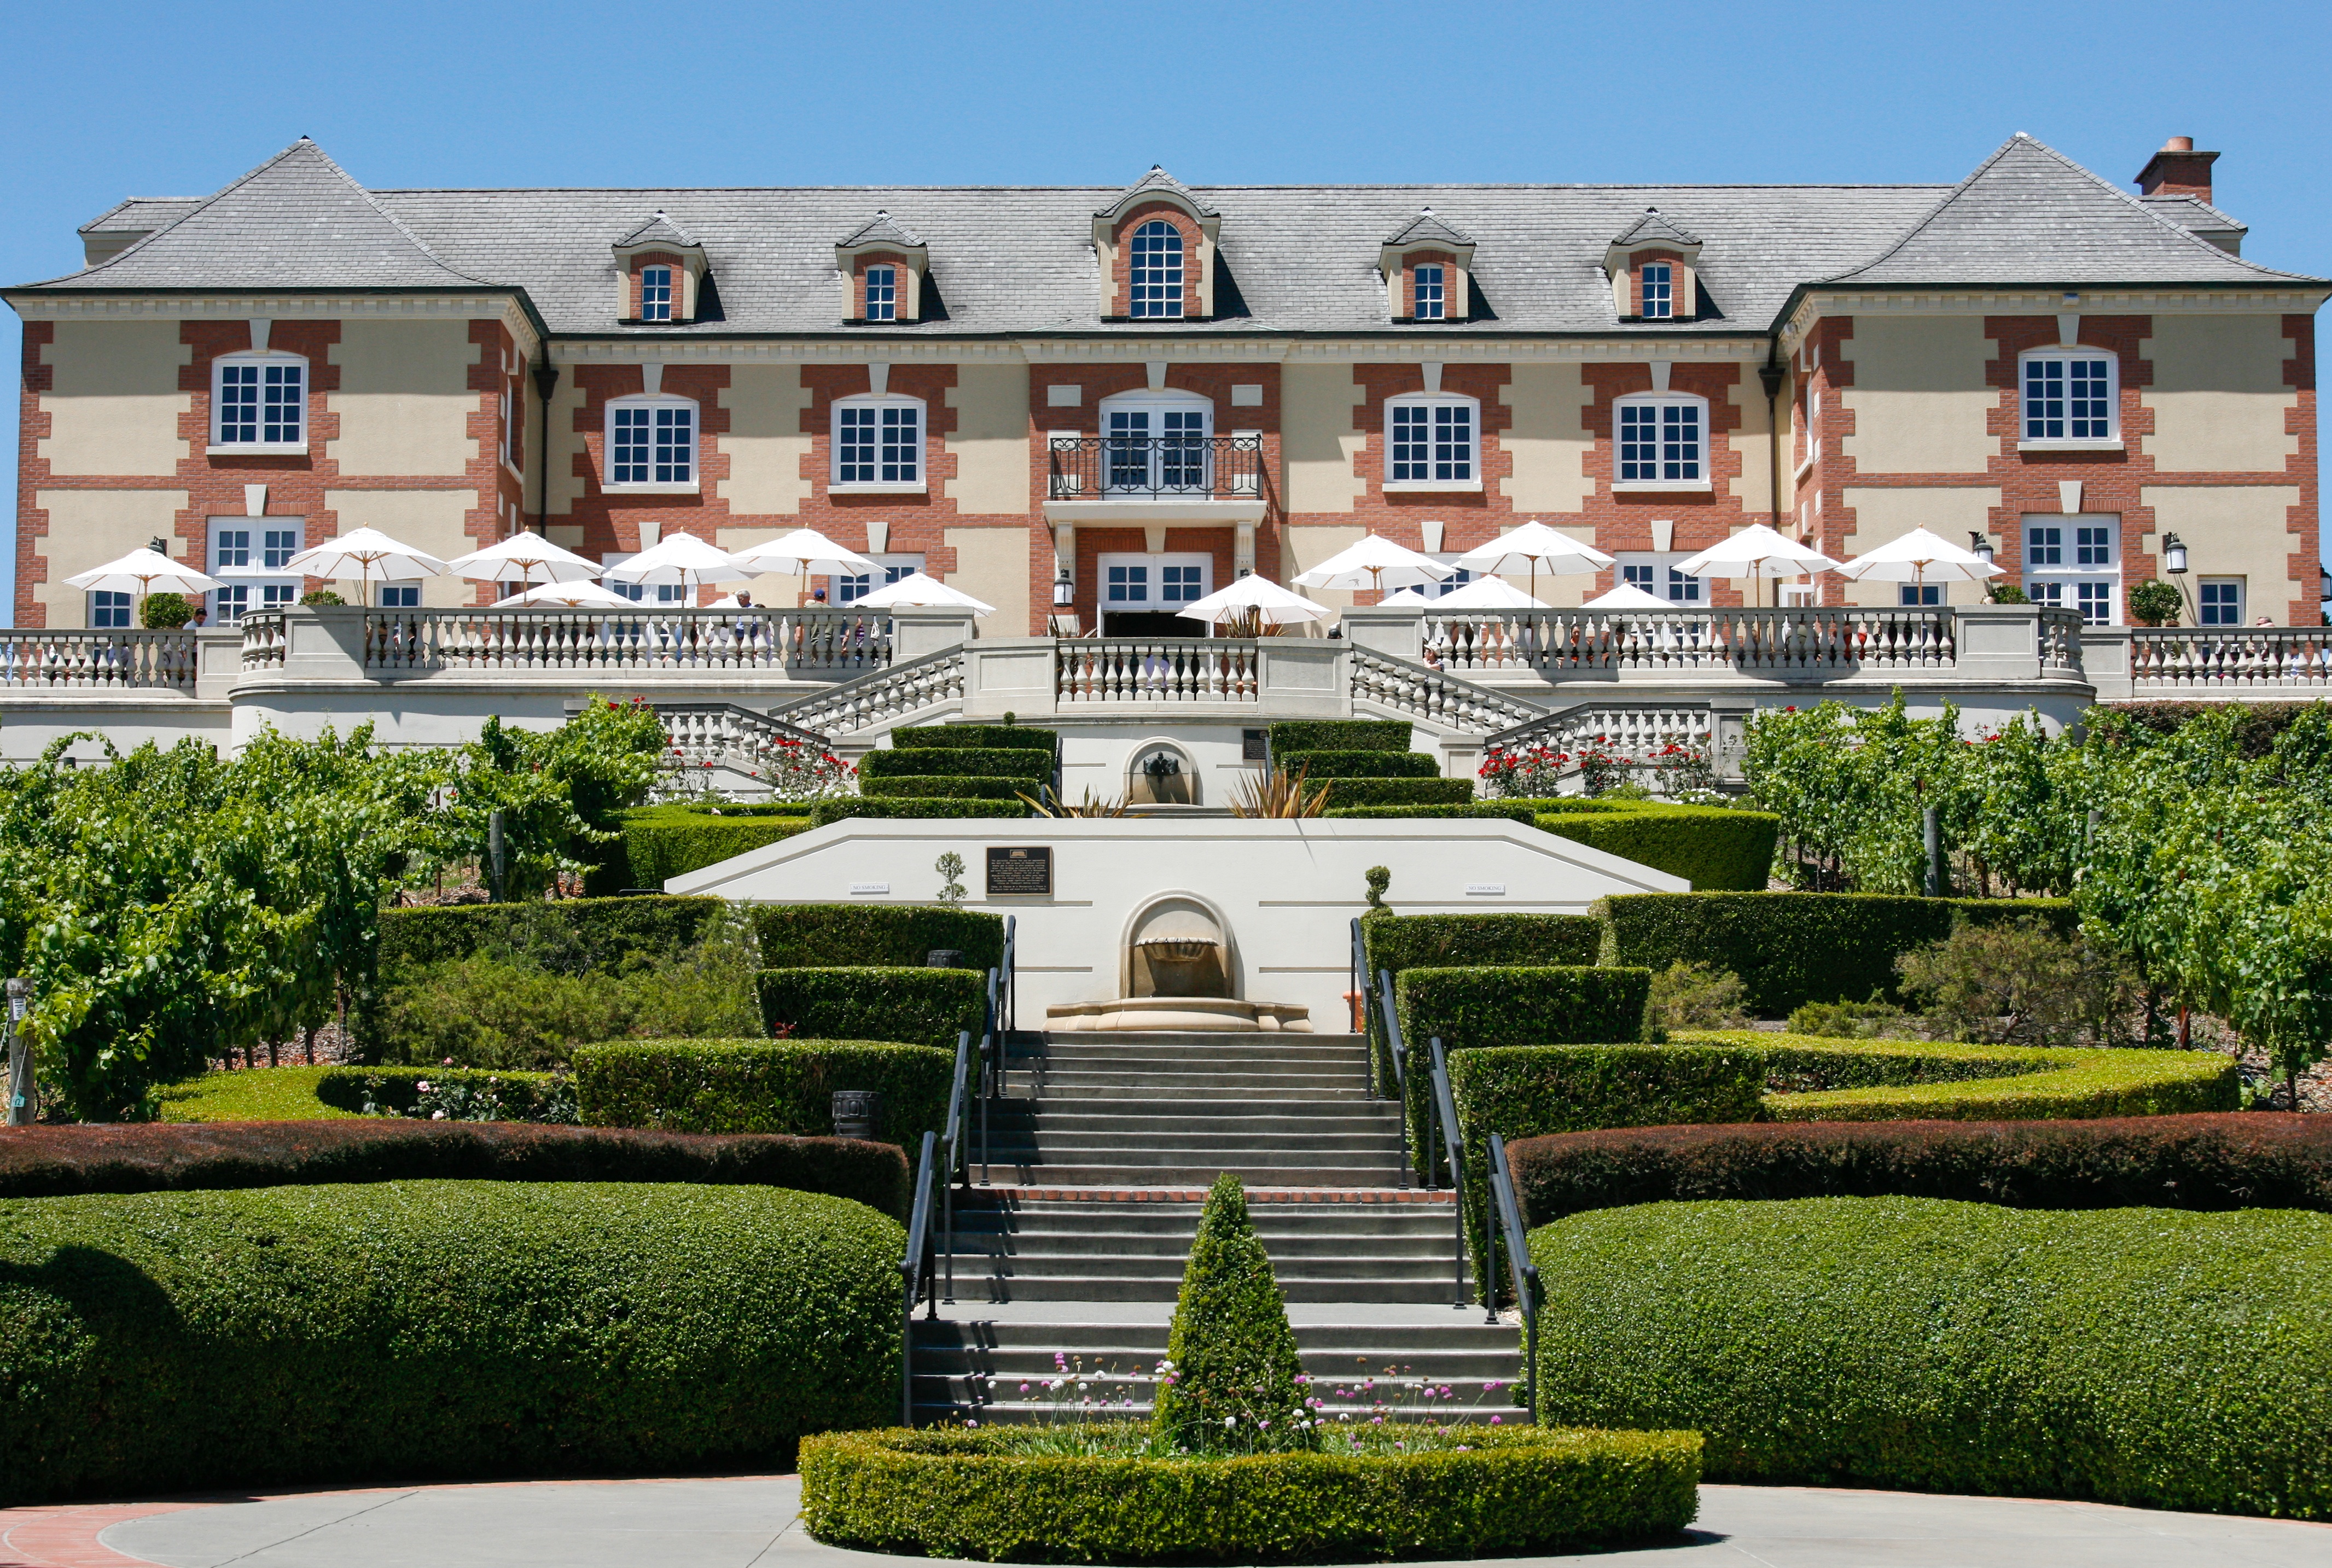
(1505, 1225)
(98, 660)
(2225, 660)
(806, 641)
(1562, 644)
(1154, 670)
(1156, 467)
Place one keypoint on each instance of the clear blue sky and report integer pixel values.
(103, 101)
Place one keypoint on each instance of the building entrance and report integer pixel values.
(1141, 596)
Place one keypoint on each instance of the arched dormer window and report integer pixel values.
(1432, 441)
(1156, 245)
(259, 403)
(1154, 277)
(2072, 396)
(1663, 441)
(878, 442)
(651, 444)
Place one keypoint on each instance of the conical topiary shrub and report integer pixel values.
(1233, 1382)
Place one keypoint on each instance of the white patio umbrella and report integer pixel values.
(1538, 548)
(144, 572)
(524, 557)
(1408, 596)
(1917, 556)
(804, 553)
(916, 589)
(1757, 551)
(364, 554)
(1375, 562)
(682, 559)
(1488, 593)
(567, 596)
(1627, 596)
(1269, 603)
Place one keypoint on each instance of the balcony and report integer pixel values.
(1177, 478)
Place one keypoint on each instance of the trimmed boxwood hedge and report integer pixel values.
(53, 1161)
(2232, 1159)
(398, 1089)
(1319, 765)
(957, 763)
(885, 935)
(1337, 735)
(826, 811)
(2141, 1356)
(1397, 791)
(1794, 948)
(762, 1085)
(1512, 811)
(666, 841)
(573, 935)
(1710, 846)
(1397, 943)
(174, 1342)
(1821, 1080)
(977, 737)
(917, 1006)
(951, 1493)
(1521, 1005)
(917, 788)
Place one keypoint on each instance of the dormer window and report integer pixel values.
(1659, 291)
(1156, 246)
(259, 403)
(1652, 266)
(656, 293)
(660, 271)
(883, 267)
(1428, 286)
(1428, 269)
(1156, 274)
(882, 293)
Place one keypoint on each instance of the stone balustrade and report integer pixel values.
(116, 660)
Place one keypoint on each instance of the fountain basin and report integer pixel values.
(1210, 1015)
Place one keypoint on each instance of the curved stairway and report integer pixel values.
(1100, 1153)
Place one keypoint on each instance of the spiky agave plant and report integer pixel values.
(1279, 794)
(1045, 802)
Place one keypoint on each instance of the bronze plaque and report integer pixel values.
(1020, 870)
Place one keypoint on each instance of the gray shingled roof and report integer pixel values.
(2189, 211)
(140, 214)
(882, 229)
(1428, 228)
(1654, 228)
(2029, 214)
(659, 230)
(296, 221)
(1157, 179)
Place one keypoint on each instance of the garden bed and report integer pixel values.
(1105, 1494)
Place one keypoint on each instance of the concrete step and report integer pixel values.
(1293, 1148)
(1302, 1117)
(974, 1286)
(1378, 1173)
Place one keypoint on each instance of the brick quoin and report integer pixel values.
(33, 379)
(611, 521)
(1121, 296)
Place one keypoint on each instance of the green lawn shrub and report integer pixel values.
(55, 1162)
(1710, 846)
(1512, 811)
(1236, 1386)
(2220, 1160)
(952, 788)
(174, 1342)
(958, 762)
(975, 737)
(901, 935)
(2138, 1356)
(666, 841)
(1006, 1495)
(1794, 948)
(1319, 765)
(762, 1086)
(397, 1091)
(1830, 1080)
(850, 806)
(248, 1095)
(1398, 943)
(1521, 1005)
(1343, 792)
(572, 936)
(1337, 735)
(917, 1006)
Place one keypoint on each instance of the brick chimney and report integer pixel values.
(2177, 170)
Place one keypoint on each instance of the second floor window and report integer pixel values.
(1158, 445)
(656, 293)
(1656, 575)
(260, 401)
(878, 442)
(1431, 441)
(2068, 398)
(882, 293)
(1155, 276)
(1660, 290)
(1430, 287)
(652, 442)
(1661, 440)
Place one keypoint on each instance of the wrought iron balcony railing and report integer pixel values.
(1148, 467)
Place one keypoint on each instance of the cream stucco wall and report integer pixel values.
(2234, 530)
(765, 446)
(1754, 444)
(992, 564)
(1919, 399)
(1319, 437)
(405, 400)
(113, 403)
(88, 528)
(1880, 515)
(1303, 548)
(1547, 438)
(990, 440)
(429, 520)
(2219, 397)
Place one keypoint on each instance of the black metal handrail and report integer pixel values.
(1201, 467)
(916, 1275)
(1453, 1143)
(957, 1154)
(1507, 1218)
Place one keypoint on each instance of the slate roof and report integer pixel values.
(882, 229)
(1294, 259)
(659, 230)
(2029, 214)
(1654, 228)
(1156, 180)
(2193, 213)
(140, 214)
(1428, 228)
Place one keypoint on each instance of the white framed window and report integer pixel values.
(656, 293)
(1661, 437)
(1430, 287)
(2220, 600)
(1155, 582)
(878, 442)
(1154, 270)
(1432, 442)
(1658, 302)
(1656, 575)
(506, 407)
(1916, 595)
(259, 403)
(2074, 563)
(2072, 397)
(1158, 442)
(398, 596)
(242, 552)
(651, 444)
(109, 611)
(882, 293)
(849, 590)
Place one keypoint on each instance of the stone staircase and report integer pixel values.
(1099, 1156)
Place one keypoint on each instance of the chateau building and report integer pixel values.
(1111, 402)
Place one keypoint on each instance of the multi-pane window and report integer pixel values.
(261, 402)
(240, 551)
(1458, 577)
(1182, 585)
(849, 590)
(1158, 447)
(1914, 594)
(109, 611)
(400, 596)
(1156, 270)
(2075, 563)
(1432, 440)
(2221, 601)
(1656, 575)
(662, 593)
(2068, 398)
(878, 442)
(882, 293)
(1430, 285)
(1153, 582)
(656, 293)
(1660, 290)
(1661, 440)
(1129, 585)
(652, 442)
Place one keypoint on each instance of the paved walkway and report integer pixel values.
(749, 1521)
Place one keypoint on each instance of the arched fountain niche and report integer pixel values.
(1177, 947)
(1162, 773)
(1178, 971)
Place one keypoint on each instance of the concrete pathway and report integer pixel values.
(749, 1521)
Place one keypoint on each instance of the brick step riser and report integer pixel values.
(970, 1293)
(1111, 1230)
(1285, 1151)
(1151, 1118)
(1283, 1250)
(1385, 1174)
